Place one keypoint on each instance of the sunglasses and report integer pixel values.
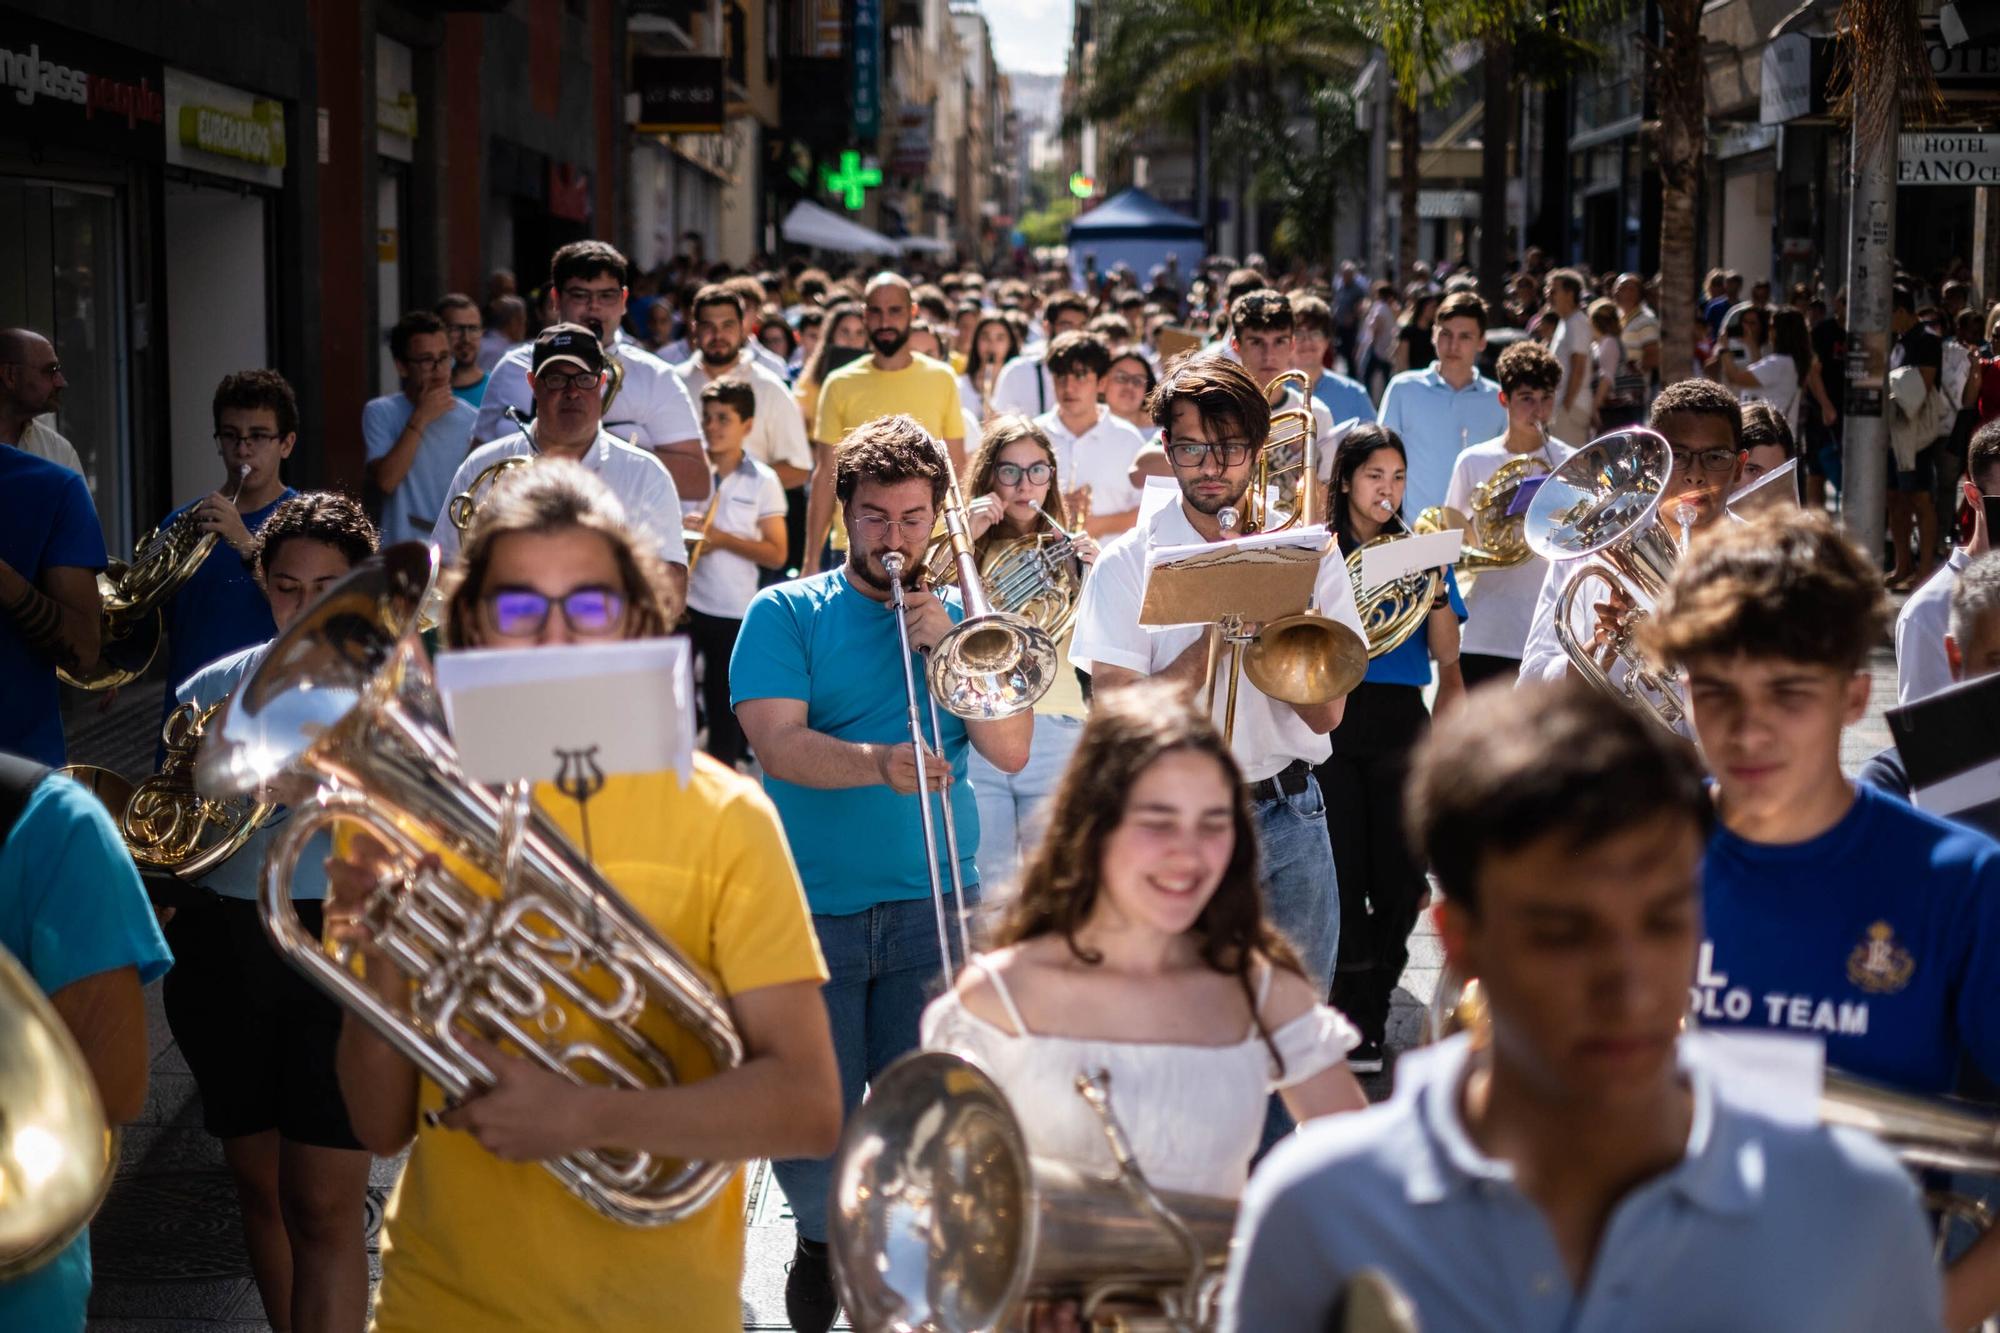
(522, 613)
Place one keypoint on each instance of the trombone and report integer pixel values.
(992, 664)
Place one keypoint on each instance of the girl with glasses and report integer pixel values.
(479, 1233)
(1127, 387)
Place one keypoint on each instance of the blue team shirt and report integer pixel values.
(820, 641)
(46, 522)
(70, 907)
(1409, 662)
(220, 609)
(1881, 935)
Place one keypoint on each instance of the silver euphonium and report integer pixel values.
(944, 1223)
(503, 930)
(1607, 505)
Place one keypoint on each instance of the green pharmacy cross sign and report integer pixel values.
(852, 181)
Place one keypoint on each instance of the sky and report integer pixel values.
(1029, 35)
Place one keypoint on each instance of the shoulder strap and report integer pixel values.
(1263, 994)
(18, 779)
(1006, 998)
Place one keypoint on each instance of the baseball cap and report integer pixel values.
(568, 342)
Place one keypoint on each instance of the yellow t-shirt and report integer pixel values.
(472, 1242)
(857, 392)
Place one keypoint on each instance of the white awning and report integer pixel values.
(822, 229)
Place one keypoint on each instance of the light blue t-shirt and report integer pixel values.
(238, 877)
(1346, 399)
(70, 907)
(820, 641)
(1436, 423)
(411, 510)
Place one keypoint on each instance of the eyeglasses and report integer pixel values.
(556, 381)
(427, 362)
(600, 298)
(257, 439)
(521, 613)
(874, 527)
(1191, 455)
(1708, 460)
(465, 330)
(1010, 474)
(1061, 375)
(1125, 380)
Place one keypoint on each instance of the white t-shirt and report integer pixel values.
(1921, 665)
(652, 408)
(778, 435)
(636, 477)
(41, 439)
(1100, 458)
(1610, 356)
(1024, 386)
(721, 583)
(1777, 384)
(1573, 338)
(1500, 606)
(1269, 735)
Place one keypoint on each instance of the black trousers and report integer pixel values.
(1382, 889)
(1478, 668)
(714, 638)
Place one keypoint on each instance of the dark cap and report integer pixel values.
(569, 342)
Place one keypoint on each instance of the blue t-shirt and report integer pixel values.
(240, 875)
(821, 641)
(220, 609)
(1409, 662)
(472, 394)
(46, 521)
(411, 510)
(1346, 399)
(70, 907)
(1881, 935)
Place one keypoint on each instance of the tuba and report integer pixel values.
(944, 1222)
(505, 931)
(1606, 507)
(130, 595)
(168, 825)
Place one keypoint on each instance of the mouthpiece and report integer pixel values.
(892, 561)
(1383, 505)
(1227, 518)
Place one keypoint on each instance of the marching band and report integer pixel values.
(1025, 901)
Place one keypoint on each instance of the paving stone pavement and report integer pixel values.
(168, 1245)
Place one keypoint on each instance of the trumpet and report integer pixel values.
(130, 595)
(502, 928)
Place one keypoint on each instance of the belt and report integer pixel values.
(1289, 781)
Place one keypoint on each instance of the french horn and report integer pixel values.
(1036, 577)
(503, 929)
(1494, 539)
(1393, 611)
(170, 826)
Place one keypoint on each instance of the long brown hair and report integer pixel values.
(550, 495)
(1002, 431)
(1128, 731)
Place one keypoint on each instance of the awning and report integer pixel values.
(810, 225)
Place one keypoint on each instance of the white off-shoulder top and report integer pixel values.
(1194, 1114)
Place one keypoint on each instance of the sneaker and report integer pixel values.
(810, 1303)
(1366, 1058)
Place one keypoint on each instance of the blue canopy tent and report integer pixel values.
(1134, 229)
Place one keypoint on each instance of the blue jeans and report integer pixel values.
(1014, 807)
(883, 969)
(1301, 892)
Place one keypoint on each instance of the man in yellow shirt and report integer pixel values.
(891, 380)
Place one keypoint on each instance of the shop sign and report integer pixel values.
(257, 138)
(224, 131)
(1948, 159)
(569, 192)
(1792, 78)
(679, 94)
(397, 115)
(59, 86)
(910, 150)
(866, 95)
(1973, 67)
(826, 29)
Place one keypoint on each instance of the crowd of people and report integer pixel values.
(1210, 896)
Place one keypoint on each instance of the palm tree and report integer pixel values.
(1683, 140)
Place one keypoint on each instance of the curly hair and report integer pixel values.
(1699, 398)
(556, 495)
(1128, 731)
(319, 516)
(888, 450)
(1528, 365)
(248, 390)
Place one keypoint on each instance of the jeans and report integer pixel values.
(1014, 807)
(1301, 890)
(883, 969)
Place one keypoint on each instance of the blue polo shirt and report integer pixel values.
(46, 522)
(820, 641)
(1346, 399)
(1409, 662)
(1760, 1226)
(70, 907)
(220, 609)
(1435, 422)
(1881, 936)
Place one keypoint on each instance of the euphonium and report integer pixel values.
(168, 825)
(505, 931)
(1393, 611)
(130, 596)
(1606, 507)
(944, 1222)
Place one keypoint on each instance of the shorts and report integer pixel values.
(1919, 480)
(258, 1037)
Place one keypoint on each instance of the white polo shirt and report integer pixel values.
(1500, 607)
(652, 407)
(778, 436)
(636, 477)
(1269, 735)
(721, 583)
(1024, 386)
(1100, 458)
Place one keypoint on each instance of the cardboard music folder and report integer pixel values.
(1259, 578)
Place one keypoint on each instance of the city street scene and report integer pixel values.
(930, 666)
